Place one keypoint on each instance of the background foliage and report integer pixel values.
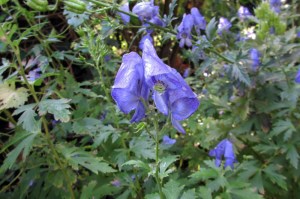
(62, 135)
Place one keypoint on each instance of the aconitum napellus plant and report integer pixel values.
(129, 89)
(224, 25)
(224, 148)
(244, 13)
(171, 94)
(184, 30)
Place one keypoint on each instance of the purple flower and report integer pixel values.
(186, 73)
(224, 148)
(129, 88)
(145, 10)
(184, 30)
(254, 57)
(223, 25)
(168, 141)
(275, 5)
(297, 78)
(298, 34)
(125, 18)
(243, 13)
(199, 20)
(171, 93)
(147, 36)
(116, 183)
(34, 74)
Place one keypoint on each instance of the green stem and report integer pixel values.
(159, 182)
(10, 118)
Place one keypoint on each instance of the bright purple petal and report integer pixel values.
(161, 102)
(176, 124)
(168, 141)
(125, 18)
(199, 20)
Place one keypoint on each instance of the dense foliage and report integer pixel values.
(159, 99)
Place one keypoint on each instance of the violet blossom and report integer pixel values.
(297, 78)
(275, 5)
(147, 36)
(168, 141)
(224, 148)
(243, 13)
(129, 88)
(223, 25)
(125, 18)
(199, 20)
(184, 30)
(255, 58)
(171, 94)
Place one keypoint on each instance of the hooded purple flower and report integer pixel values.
(130, 88)
(147, 36)
(223, 25)
(297, 78)
(125, 18)
(168, 141)
(34, 74)
(224, 148)
(145, 10)
(116, 183)
(184, 30)
(254, 57)
(275, 5)
(199, 20)
(171, 93)
(244, 13)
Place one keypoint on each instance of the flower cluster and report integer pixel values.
(137, 76)
(195, 19)
(224, 25)
(244, 13)
(224, 148)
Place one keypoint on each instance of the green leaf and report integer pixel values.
(293, 156)
(142, 146)
(211, 29)
(23, 147)
(164, 164)
(245, 194)
(11, 97)
(87, 190)
(203, 174)
(283, 126)
(152, 196)
(241, 75)
(58, 107)
(205, 193)
(137, 163)
(3, 2)
(75, 157)
(27, 119)
(172, 189)
(189, 194)
(5, 65)
(272, 173)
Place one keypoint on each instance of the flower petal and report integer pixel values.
(125, 100)
(161, 102)
(184, 107)
(176, 124)
(139, 113)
